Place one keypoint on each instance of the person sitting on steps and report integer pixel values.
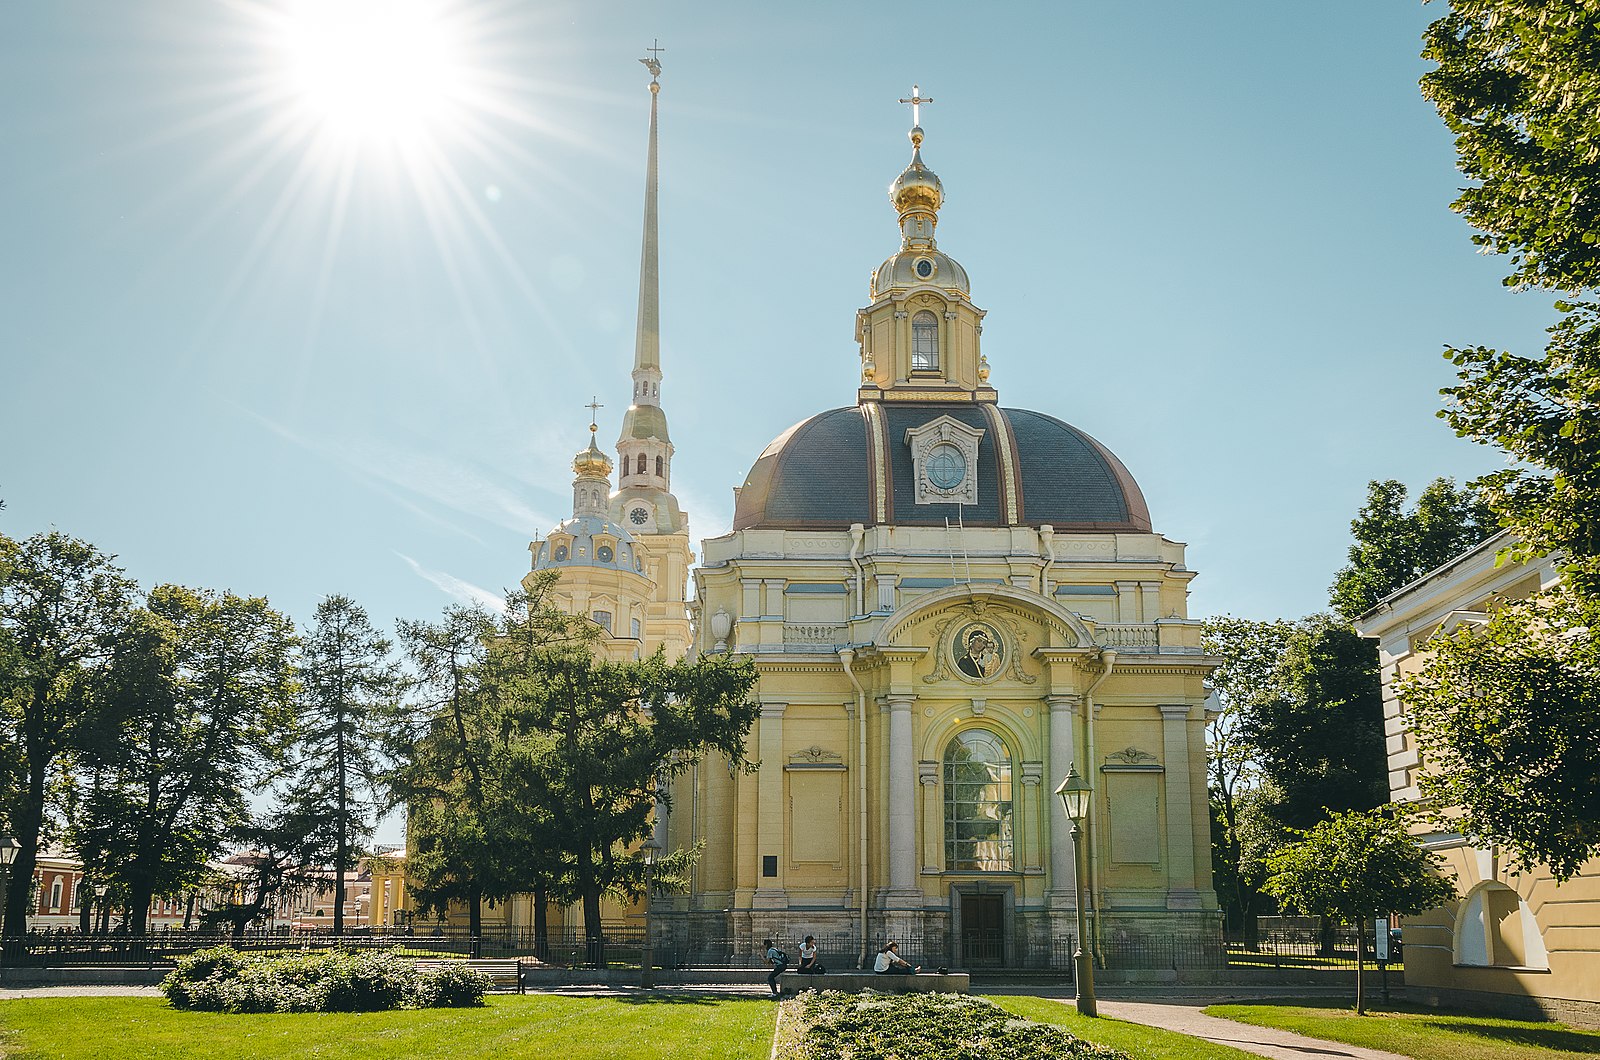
(809, 965)
(889, 962)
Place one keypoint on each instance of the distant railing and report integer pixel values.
(1131, 636)
(815, 636)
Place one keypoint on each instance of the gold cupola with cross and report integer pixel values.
(920, 336)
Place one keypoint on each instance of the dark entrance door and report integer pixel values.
(983, 940)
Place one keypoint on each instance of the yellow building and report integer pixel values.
(1513, 942)
(949, 603)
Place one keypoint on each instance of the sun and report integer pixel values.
(373, 70)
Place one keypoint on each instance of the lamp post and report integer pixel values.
(8, 854)
(100, 890)
(1075, 794)
(647, 960)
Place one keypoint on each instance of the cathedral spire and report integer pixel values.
(644, 449)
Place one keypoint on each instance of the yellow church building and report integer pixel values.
(950, 602)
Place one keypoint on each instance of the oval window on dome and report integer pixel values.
(561, 553)
(947, 467)
(924, 267)
(603, 553)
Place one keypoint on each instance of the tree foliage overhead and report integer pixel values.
(1518, 85)
(1509, 716)
(1393, 546)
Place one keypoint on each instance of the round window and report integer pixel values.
(924, 267)
(561, 553)
(947, 467)
(603, 553)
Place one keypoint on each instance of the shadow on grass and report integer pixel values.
(644, 997)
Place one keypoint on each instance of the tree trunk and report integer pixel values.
(1328, 937)
(541, 922)
(1361, 951)
(342, 823)
(19, 880)
(188, 912)
(138, 918)
(475, 921)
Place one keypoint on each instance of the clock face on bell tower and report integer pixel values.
(638, 516)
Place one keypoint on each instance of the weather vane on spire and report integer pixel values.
(653, 64)
(916, 101)
(594, 408)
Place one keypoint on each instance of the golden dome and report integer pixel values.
(592, 462)
(917, 187)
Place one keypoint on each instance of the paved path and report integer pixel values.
(1263, 1041)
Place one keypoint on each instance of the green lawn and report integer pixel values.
(1146, 1043)
(667, 1026)
(1421, 1033)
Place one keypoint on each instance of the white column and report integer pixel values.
(902, 799)
(1063, 879)
(932, 817)
(1181, 893)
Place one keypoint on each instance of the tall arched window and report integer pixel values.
(641, 463)
(977, 803)
(661, 467)
(924, 342)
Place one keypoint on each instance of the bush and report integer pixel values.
(836, 1025)
(223, 980)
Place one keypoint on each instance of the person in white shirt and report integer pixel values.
(809, 965)
(889, 962)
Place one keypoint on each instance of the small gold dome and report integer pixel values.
(592, 461)
(917, 187)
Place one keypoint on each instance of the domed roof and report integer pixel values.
(828, 472)
(591, 462)
(589, 541)
(917, 187)
(903, 271)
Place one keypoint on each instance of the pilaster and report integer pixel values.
(770, 892)
(1179, 807)
(1063, 886)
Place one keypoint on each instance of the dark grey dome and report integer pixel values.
(852, 465)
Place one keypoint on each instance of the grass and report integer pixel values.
(668, 1026)
(1421, 1033)
(1146, 1043)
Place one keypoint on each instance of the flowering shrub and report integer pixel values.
(223, 980)
(833, 1025)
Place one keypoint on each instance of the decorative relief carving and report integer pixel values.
(1132, 760)
(815, 758)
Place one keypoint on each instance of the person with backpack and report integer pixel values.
(779, 961)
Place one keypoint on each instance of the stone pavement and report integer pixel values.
(1185, 1017)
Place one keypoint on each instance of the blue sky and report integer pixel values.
(246, 346)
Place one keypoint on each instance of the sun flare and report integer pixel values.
(383, 70)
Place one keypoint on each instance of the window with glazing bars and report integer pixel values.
(977, 803)
(924, 342)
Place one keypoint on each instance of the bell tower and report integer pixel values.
(920, 337)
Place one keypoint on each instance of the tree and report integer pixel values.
(1319, 731)
(1393, 546)
(446, 774)
(1516, 83)
(614, 735)
(61, 603)
(1507, 716)
(1250, 652)
(284, 849)
(348, 684)
(1357, 865)
(194, 710)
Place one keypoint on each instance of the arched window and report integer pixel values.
(661, 467)
(924, 342)
(977, 803)
(641, 463)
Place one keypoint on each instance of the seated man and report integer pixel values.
(889, 962)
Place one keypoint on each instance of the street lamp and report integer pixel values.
(100, 890)
(8, 854)
(1076, 794)
(647, 970)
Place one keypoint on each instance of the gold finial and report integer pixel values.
(917, 100)
(594, 408)
(653, 64)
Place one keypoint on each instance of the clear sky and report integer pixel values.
(292, 307)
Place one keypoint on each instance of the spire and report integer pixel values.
(644, 450)
(647, 339)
